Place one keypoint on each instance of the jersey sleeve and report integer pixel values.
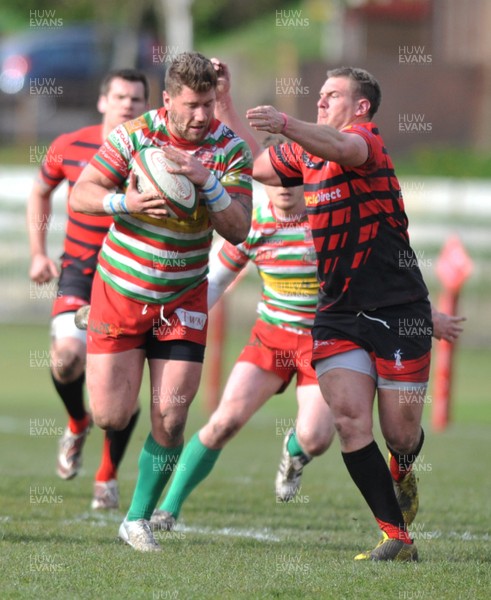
(114, 156)
(286, 160)
(52, 172)
(237, 177)
(374, 148)
(224, 268)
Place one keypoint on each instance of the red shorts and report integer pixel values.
(118, 323)
(398, 338)
(282, 352)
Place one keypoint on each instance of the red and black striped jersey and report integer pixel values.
(66, 158)
(359, 225)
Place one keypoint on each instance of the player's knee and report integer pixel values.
(173, 425)
(346, 428)
(403, 441)
(175, 429)
(67, 365)
(223, 430)
(316, 442)
(117, 421)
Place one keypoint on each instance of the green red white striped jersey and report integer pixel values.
(158, 260)
(284, 254)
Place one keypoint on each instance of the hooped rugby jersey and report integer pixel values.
(284, 255)
(66, 158)
(358, 223)
(158, 260)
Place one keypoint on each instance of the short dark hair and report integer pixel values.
(366, 85)
(132, 75)
(190, 69)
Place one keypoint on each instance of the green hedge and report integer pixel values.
(463, 163)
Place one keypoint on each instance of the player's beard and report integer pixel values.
(182, 130)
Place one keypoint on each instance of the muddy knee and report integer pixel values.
(67, 365)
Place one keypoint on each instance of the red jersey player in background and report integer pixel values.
(123, 96)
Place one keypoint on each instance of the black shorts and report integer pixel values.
(74, 284)
(173, 349)
(398, 338)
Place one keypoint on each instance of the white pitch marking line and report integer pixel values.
(263, 535)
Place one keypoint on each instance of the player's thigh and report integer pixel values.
(113, 383)
(315, 425)
(348, 393)
(311, 404)
(174, 383)
(248, 387)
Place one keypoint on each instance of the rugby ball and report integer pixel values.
(150, 167)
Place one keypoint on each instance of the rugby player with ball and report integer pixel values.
(149, 298)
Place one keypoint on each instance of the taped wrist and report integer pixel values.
(114, 204)
(216, 196)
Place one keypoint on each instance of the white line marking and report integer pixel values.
(101, 519)
(263, 535)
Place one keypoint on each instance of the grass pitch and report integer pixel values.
(234, 541)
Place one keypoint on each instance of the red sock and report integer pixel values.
(78, 426)
(395, 532)
(107, 469)
(397, 470)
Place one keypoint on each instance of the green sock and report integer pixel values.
(155, 466)
(195, 464)
(293, 447)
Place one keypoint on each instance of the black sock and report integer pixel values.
(72, 396)
(406, 460)
(371, 475)
(119, 440)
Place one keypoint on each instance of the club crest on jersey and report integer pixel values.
(135, 124)
(310, 164)
(228, 133)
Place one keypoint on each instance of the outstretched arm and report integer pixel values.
(320, 140)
